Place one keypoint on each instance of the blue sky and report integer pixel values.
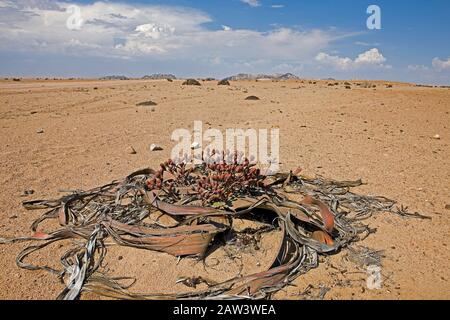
(317, 39)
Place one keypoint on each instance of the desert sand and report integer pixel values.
(383, 135)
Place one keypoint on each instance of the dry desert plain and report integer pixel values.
(383, 135)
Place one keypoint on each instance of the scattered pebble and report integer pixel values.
(155, 147)
(252, 98)
(27, 193)
(195, 145)
(146, 103)
(40, 131)
(437, 137)
(131, 150)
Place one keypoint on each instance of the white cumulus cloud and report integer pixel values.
(437, 66)
(136, 30)
(372, 57)
(440, 65)
(155, 31)
(336, 61)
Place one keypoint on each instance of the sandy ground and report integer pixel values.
(382, 135)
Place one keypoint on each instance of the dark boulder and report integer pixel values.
(191, 82)
(223, 82)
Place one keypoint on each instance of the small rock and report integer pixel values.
(191, 82)
(195, 145)
(252, 98)
(223, 83)
(27, 193)
(155, 147)
(146, 103)
(119, 258)
(437, 137)
(131, 150)
(40, 131)
(13, 217)
(447, 206)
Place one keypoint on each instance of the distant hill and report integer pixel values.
(287, 76)
(114, 78)
(159, 76)
(246, 76)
